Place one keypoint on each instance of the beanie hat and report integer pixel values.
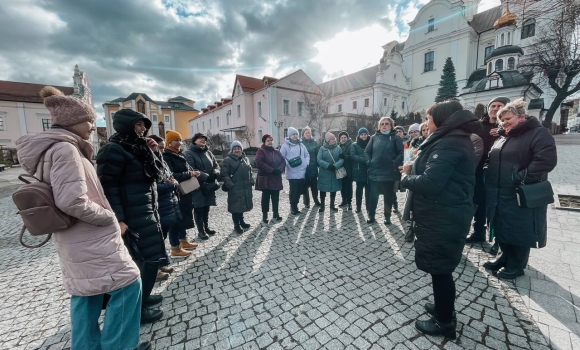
(171, 136)
(66, 110)
(235, 144)
(198, 136)
(265, 137)
(363, 131)
(343, 133)
(400, 128)
(306, 128)
(415, 127)
(292, 131)
(501, 99)
(329, 136)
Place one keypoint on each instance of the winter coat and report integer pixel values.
(180, 170)
(168, 200)
(345, 148)
(291, 150)
(312, 147)
(236, 173)
(488, 141)
(132, 194)
(267, 159)
(93, 259)
(527, 153)
(360, 167)
(204, 161)
(442, 192)
(327, 181)
(385, 154)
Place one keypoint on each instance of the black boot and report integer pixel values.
(265, 218)
(410, 235)
(244, 224)
(494, 249)
(371, 219)
(153, 300)
(332, 207)
(321, 209)
(387, 221)
(434, 327)
(430, 308)
(239, 230)
(277, 216)
(144, 346)
(507, 274)
(348, 207)
(477, 236)
(150, 315)
(198, 216)
(316, 202)
(206, 222)
(494, 265)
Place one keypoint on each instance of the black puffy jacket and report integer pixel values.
(204, 161)
(487, 139)
(527, 153)
(168, 199)
(359, 166)
(132, 194)
(236, 173)
(346, 147)
(312, 147)
(385, 154)
(178, 166)
(442, 192)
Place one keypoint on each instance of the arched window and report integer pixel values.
(499, 65)
(141, 106)
(511, 63)
(529, 28)
(502, 40)
(489, 68)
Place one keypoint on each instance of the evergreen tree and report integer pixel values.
(394, 116)
(448, 83)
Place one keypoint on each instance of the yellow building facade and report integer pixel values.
(173, 114)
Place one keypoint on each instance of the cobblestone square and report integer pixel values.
(314, 281)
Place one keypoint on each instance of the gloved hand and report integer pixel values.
(211, 177)
(331, 167)
(341, 155)
(276, 171)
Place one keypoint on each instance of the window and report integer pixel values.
(429, 57)
(210, 124)
(154, 116)
(340, 107)
(239, 110)
(239, 90)
(494, 82)
(141, 106)
(197, 126)
(2, 126)
(166, 119)
(366, 102)
(228, 119)
(511, 63)
(260, 109)
(300, 109)
(217, 121)
(112, 114)
(501, 40)
(488, 50)
(45, 124)
(508, 38)
(260, 134)
(529, 28)
(286, 107)
(385, 102)
(403, 104)
(202, 126)
(431, 25)
(285, 133)
(354, 104)
(499, 65)
(489, 68)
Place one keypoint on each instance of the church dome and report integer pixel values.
(507, 19)
(505, 50)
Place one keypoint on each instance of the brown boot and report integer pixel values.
(184, 244)
(178, 252)
(166, 269)
(162, 276)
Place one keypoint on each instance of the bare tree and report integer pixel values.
(554, 56)
(316, 104)
(247, 135)
(218, 140)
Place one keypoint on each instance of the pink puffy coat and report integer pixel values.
(93, 258)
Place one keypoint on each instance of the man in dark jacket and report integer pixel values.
(488, 134)
(346, 191)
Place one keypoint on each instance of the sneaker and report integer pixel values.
(179, 253)
(161, 276)
(184, 244)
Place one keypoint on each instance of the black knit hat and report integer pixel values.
(343, 133)
(501, 99)
(197, 136)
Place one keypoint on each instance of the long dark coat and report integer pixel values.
(132, 195)
(179, 167)
(442, 192)
(267, 159)
(312, 147)
(385, 154)
(204, 161)
(327, 181)
(168, 200)
(345, 148)
(529, 151)
(360, 168)
(236, 173)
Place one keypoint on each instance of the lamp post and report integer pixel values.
(278, 124)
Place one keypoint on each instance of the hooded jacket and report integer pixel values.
(385, 154)
(291, 150)
(327, 155)
(130, 187)
(236, 173)
(527, 154)
(442, 193)
(92, 256)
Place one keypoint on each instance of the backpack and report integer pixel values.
(36, 206)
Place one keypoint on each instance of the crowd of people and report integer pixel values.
(455, 169)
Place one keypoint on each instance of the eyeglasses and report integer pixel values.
(385, 124)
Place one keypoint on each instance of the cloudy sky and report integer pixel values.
(194, 48)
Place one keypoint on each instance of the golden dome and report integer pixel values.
(507, 19)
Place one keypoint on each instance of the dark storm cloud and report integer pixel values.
(124, 45)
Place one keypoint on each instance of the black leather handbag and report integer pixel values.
(209, 187)
(535, 195)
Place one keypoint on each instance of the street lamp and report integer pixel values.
(278, 124)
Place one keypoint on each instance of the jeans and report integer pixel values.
(444, 295)
(346, 191)
(121, 325)
(377, 188)
(360, 186)
(275, 196)
(311, 183)
(176, 233)
(296, 190)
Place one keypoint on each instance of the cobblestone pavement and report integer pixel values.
(312, 281)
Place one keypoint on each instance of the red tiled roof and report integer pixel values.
(26, 92)
(249, 84)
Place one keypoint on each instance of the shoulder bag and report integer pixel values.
(225, 188)
(340, 172)
(534, 195)
(190, 185)
(296, 161)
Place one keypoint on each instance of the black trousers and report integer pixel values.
(266, 196)
(346, 191)
(148, 271)
(237, 218)
(444, 295)
(377, 188)
(323, 198)
(312, 183)
(479, 218)
(360, 187)
(201, 216)
(296, 190)
(515, 258)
